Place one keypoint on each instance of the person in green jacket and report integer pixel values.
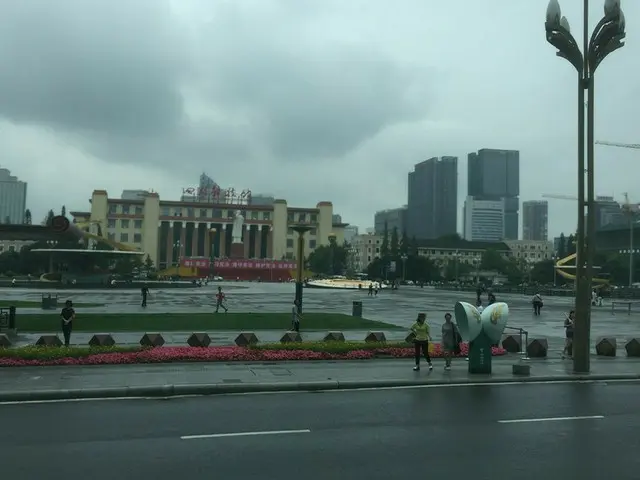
(421, 340)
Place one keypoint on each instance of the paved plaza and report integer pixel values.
(397, 307)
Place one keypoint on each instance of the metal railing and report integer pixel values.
(524, 341)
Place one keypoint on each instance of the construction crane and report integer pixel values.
(635, 146)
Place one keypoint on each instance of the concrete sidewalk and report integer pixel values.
(165, 380)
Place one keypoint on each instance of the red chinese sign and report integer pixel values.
(196, 262)
(215, 193)
(257, 264)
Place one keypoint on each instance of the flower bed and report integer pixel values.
(42, 356)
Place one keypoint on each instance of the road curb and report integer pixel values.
(164, 391)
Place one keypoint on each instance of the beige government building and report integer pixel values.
(168, 230)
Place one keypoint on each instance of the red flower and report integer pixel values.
(226, 354)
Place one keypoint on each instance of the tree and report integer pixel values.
(542, 272)
(419, 269)
(571, 245)
(562, 246)
(27, 217)
(455, 269)
(7, 220)
(404, 243)
(329, 259)
(148, 264)
(394, 244)
(413, 247)
(49, 218)
(492, 260)
(384, 248)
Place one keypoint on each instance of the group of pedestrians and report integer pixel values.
(450, 340)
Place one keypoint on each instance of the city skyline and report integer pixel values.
(163, 107)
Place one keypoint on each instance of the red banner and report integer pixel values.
(196, 262)
(256, 264)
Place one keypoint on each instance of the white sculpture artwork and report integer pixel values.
(236, 232)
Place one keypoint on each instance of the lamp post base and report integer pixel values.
(581, 341)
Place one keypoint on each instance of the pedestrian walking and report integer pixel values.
(68, 315)
(537, 303)
(450, 340)
(420, 330)
(295, 317)
(145, 293)
(220, 296)
(491, 298)
(569, 325)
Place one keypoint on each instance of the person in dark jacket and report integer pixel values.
(67, 315)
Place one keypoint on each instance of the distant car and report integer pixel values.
(217, 278)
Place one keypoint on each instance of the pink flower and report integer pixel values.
(226, 354)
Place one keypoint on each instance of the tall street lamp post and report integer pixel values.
(404, 258)
(301, 229)
(607, 37)
(176, 252)
(212, 244)
(332, 251)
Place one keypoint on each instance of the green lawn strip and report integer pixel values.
(37, 304)
(33, 352)
(331, 347)
(180, 322)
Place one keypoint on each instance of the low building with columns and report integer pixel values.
(168, 230)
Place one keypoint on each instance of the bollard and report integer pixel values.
(356, 310)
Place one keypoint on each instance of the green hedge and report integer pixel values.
(330, 347)
(33, 352)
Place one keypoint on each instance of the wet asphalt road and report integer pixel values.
(486, 432)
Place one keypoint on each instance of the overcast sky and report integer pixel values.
(308, 100)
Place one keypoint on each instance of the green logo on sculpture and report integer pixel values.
(496, 314)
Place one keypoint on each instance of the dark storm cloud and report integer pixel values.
(264, 79)
(97, 65)
(310, 93)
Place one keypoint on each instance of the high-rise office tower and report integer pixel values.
(493, 175)
(535, 220)
(394, 218)
(13, 198)
(432, 207)
(483, 220)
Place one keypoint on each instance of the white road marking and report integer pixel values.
(297, 392)
(553, 419)
(243, 434)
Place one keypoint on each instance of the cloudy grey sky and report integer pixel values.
(309, 100)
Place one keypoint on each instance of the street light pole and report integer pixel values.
(176, 252)
(332, 249)
(606, 38)
(404, 267)
(301, 229)
(631, 252)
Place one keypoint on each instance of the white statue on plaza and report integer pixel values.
(236, 232)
